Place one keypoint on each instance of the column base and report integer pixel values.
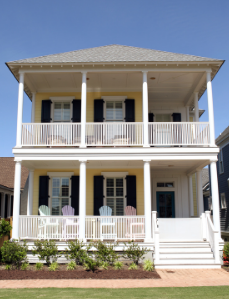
(148, 240)
(146, 145)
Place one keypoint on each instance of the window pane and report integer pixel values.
(66, 112)
(110, 191)
(110, 203)
(170, 185)
(109, 110)
(160, 184)
(65, 202)
(119, 192)
(65, 182)
(55, 206)
(55, 192)
(57, 111)
(56, 182)
(65, 191)
(119, 207)
(110, 182)
(119, 182)
(118, 111)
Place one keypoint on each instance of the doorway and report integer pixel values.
(165, 204)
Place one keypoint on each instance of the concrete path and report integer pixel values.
(179, 278)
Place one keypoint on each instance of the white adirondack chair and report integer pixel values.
(70, 225)
(48, 226)
(107, 224)
(135, 228)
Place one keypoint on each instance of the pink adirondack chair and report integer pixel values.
(70, 225)
(135, 228)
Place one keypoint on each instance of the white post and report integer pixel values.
(30, 194)
(82, 203)
(20, 109)
(17, 193)
(200, 200)
(196, 106)
(83, 109)
(215, 197)
(147, 200)
(204, 226)
(3, 199)
(33, 107)
(145, 113)
(155, 237)
(190, 190)
(210, 109)
(187, 113)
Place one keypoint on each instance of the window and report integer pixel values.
(168, 185)
(115, 195)
(221, 168)
(114, 110)
(60, 194)
(62, 112)
(223, 201)
(163, 118)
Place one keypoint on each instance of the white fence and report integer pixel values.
(179, 133)
(115, 134)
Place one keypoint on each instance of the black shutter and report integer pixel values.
(98, 111)
(98, 193)
(12, 205)
(46, 111)
(131, 190)
(6, 205)
(76, 111)
(151, 117)
(75, 193)
(129, 110)
(43, 190)
(176, 117)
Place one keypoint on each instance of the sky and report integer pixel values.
(30, 28)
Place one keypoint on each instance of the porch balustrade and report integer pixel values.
(116, 134)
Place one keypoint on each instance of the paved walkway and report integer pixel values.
(178, 278)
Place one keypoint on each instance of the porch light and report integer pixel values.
(88, 78)
(228, 182)
(152, 78)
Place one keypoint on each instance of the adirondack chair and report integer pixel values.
(107, 224)
(48, 226)
(70, 225)
(133, 225)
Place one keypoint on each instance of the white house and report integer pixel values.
(119, 126)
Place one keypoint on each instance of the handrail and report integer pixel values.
(155, 232)
(212, 237)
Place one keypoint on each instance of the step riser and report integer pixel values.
(190, 250)
(187, 267)
(186, 261)
(186, 255)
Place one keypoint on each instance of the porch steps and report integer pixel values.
(186, 255)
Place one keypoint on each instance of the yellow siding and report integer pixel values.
(91, 96)
(89, 190)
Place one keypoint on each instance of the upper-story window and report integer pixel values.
(114, 111)
(62, 112)
(221, 168)
(60, 194)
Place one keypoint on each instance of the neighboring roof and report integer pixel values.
(205, 177)
(114, 53)
(7, 168)
(222, 136)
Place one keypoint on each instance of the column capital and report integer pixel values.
(83, 161)
(144, 72)
(147, 160)
(18, 162)
(83, 72)
(208, 71)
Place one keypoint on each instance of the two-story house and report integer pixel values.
(118, 126)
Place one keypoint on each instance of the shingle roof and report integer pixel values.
(7, 167)
(205, 176)
(114, 53)
(222, 135)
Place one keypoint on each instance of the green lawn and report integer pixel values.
(156, 293)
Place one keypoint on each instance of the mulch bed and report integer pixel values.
(78, 273)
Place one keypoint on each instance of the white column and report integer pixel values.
(82, 201)
(187, 113)
(17, 189)
(30, 194)
(196, 106)
(20, 109)
(215, 196)
(147, 200)
(33, 107)
(200, 200)
(83, 108)
(190, 191)
(145, 113)
(3, 199)
(210, 109)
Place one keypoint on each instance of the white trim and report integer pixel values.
(57, 174)
(114, 174)
(113, 98)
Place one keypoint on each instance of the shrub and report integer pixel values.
(54, 266)
(148, 265)
(7, 267)
(76, 252)
(14, 253)
(46, 250)
(105, 265)
(24, 266)
(118, 265)
(39, 266)
(134, 252)
(71, 266)
(5, 228)
(91, 264)
(133, 266)
(105, 253)
(226, 254)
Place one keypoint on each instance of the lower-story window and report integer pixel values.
(115, 195)
(60, 194)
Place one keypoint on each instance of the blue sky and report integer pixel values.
(41, 27)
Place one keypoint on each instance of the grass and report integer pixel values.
(221, 292)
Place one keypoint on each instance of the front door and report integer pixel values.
(165, 204)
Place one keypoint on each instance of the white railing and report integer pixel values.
(179, 133)
(155, 235)
(49, 227)
(115, 227)
(212, 237)
(51, 134)
(114, 134)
